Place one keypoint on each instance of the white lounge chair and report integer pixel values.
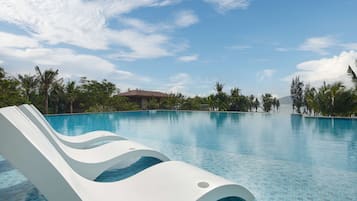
(83, 141)
(90, 163)
(44, 166)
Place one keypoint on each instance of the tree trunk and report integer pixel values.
(71, 107)
(46, 103)
(57, 106)
(27, 95)
(46, 100)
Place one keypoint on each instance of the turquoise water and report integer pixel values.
(276, 156)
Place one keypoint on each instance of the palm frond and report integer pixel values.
(352, 73)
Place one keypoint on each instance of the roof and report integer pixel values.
(142, 93)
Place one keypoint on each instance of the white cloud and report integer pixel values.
(329, 69)
(85, 24)
(167, 2)
(266, 73)
(188, 58)
(321, 45)
(140, 45)
(73, 22)
(140, 25)
(11, 40)
(115, 7)
(239, 47)
(178, 83)
(186, 18)
(226, 5)
(70, 63)
(349, 46)
(281, 49)
(318, 44)
(181, 19)
(184, 83)
(1, 62)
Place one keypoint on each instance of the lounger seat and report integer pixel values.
(90, 163)
(35, 156)
(83, 141)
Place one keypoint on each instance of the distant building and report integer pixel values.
(142, 97)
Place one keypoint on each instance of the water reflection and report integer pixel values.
(296, 122)
(310, 141)
(172, 116)
(235, 117)
(334, 141)
(77, 124)
(219, 118)
(335, 127)
(352, 152)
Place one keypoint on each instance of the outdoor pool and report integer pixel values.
(276, 156)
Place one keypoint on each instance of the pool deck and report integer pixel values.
(329, 117)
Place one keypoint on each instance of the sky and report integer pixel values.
(183, 45)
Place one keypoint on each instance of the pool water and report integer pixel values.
(276, 156)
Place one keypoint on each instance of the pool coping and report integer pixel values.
(164, 110)
(329, 117)
(206, 111)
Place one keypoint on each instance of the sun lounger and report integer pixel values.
(83, 141)
(35, 156)
(90, 163)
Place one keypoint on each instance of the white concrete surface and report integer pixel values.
(23, 144)
(90, 163)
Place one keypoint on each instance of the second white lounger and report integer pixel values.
(44, 166)
(90, 163)
(83, 141)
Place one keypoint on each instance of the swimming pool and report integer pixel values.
(276, 156)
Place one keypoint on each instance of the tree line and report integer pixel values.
(221, 101)
(328, 100)
(48, 92)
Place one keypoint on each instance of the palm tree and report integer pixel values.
(221, 98)
(334, 89)
(211, 99)
(354, 80)
(57, 97)
(219, 87)
(273, 102)
(71, 94)
(323, 100)
(47, 79)
(234, 102)
(267, 102)
(296, 92)
(28, 84)
(352, 74)
(256, 104)
(310, 99)
(234, 92)
(251, 102)
(10, 93)
(2, 73)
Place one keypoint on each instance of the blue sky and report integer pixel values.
(183, 45)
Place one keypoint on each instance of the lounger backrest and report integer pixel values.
(40, 115)
(38, 121)
(46, 130)
(22, 143)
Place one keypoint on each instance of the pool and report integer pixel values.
(276, 156)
